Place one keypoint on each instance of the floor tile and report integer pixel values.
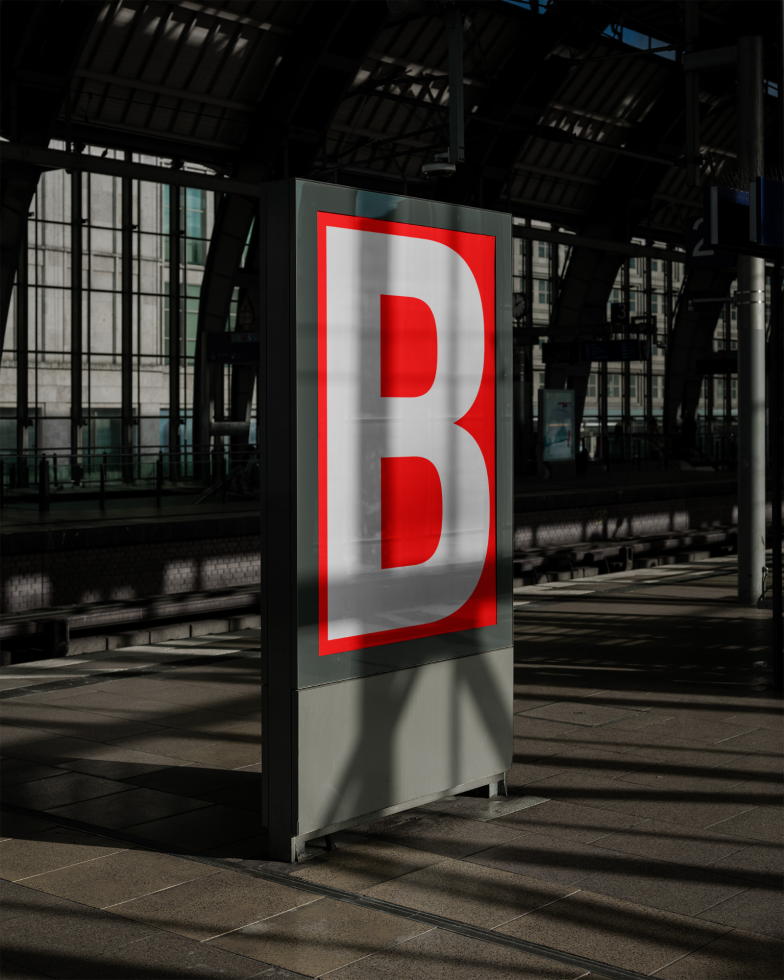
(359, 866)
(70, 787)
(479, 808)
(165, 955)
(19, 899)
(13, 825)
(245, 796)
(192, 747)
(200, 830)
(673, 842)
(119, 877)
(762, 863)
(439, 955)
(13, 972)
(736, 955)
(557, 819)
(467, 892)
(564, 862)
(610, 931)
(585, 713)
(436, 833)
(57, 941)
(211, 906)
(80, 755)
(126, 809)
(53, 849)
(758, 909)
(582, 789)
(13, 771)
(65, 719)
(320, 937)
(191, 780)
(764, 823)
(666, 886)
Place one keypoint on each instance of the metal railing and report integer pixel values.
(98, 475)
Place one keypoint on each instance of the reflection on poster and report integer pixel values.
(557, 424)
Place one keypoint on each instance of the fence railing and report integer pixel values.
(107, 473)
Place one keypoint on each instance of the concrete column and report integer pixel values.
(751, 341)
(77, 409)
(22, 363)
(174, 332)
(126, 327)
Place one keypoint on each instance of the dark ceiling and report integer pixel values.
(562, 122)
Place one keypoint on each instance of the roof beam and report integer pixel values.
(85, 163)
(175, 93)
(599, 244)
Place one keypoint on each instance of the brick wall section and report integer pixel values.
(61, 578)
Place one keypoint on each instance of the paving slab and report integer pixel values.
(213, 905)
(118, 877)
(615, 932)
(321, 937)
(440, 955)
(467, 892)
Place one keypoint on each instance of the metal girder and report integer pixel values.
(601, 245)
(46, 159)
(320, 63)
(691, 339)
(42, 43)
(618, 207)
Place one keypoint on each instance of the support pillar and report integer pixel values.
(751, 341)
(126, 328)
(174, 332)
(77, 411)
(22, 364)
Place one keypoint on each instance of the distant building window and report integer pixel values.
(734, 389)
(613, 386)
(632, 263)
(545, 250)
(544, 292)
(654, 265)
(655, 380)
(541, 379)
(633, 387)
(592, 386)
(654, 303)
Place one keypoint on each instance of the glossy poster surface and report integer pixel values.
(557, 424)
(406, 431)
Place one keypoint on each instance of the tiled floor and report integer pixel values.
(643, 834)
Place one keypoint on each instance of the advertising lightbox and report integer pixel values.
(387, 525)
(556, 424)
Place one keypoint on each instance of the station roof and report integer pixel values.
(572, 108)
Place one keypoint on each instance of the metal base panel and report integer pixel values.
(370, 746)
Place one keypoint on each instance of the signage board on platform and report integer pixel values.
(387, 516)
(403, 357)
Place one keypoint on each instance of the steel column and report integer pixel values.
(126, 327)
(22, 363)
(77, 410)
(627, 365)
(174, 331)
(776, 483)
(692, 99)
(751, 341)
(456, 141)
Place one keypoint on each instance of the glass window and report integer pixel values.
(545, 250)
(613, 385)
(544, 292)
(734, 389)
(633, 386)
(541, 379)
(654, 265)
(632, 263)
(592, 386)
(655, 380)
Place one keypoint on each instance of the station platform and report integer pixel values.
(642, 833)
